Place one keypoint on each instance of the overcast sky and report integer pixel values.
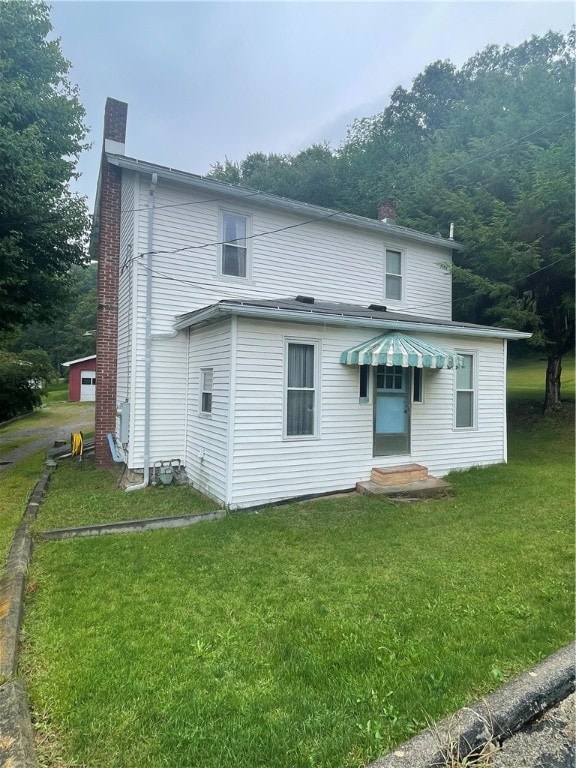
(206, 81)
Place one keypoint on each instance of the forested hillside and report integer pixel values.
(488, 146)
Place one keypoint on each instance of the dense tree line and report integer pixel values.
(490, 147)
(43, 226)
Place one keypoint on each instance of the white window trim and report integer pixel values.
(401, 300)
(474, 427)
(317, 344)
(201, 412)
(222, 275)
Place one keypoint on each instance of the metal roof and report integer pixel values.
(80, 360)
(302, 310)
(398, 349)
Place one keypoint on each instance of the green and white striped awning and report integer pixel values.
(397, 349)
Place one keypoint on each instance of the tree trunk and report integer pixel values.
(553, 373)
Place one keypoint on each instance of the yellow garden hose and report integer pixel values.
(77, 444)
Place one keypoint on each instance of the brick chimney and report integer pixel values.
(108, 227)
(387, 211)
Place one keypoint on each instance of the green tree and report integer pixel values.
(18, 391)
(490, 147)
(70, 335)
(310, 176)
(41, 371)
(42, 225)
(502, 167)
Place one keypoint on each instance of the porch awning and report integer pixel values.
(397, 349)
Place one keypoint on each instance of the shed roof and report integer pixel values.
(307, 310)
(80, 360)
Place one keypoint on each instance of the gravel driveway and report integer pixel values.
(57, 424)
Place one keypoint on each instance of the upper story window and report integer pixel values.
(466, 393)
(393, 277)
(234, 248)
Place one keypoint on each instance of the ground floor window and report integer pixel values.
(465, 393)
(301, 389)
(417, 385)
(206, 384)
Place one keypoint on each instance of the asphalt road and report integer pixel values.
(549, 742)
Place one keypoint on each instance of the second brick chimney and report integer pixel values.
(387, 211)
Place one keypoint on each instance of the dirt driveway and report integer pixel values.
(40, 430)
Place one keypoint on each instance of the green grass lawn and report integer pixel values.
(315, 634)
(56, 392)
(16, 485)
(526, 379)
(84, 495)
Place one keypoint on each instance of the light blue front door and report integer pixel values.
(391, 410)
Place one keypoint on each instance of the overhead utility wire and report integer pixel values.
(339, 212)
(203, 287)
(238, 239)
(511, 143)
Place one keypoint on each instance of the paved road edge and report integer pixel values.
(492, 720)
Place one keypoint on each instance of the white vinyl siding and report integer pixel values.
(125, 319)
(443, 448)
(323, 259)
(268, 468)
(246, 460)
(207, 438)
(206, 384)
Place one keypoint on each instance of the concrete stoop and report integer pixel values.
(404, 481)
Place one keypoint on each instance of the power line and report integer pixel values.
(511, 143)
(203, 287)
(485, 156)
(237, 239)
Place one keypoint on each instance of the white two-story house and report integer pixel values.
(279, 349)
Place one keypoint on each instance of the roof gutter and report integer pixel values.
(219, 311)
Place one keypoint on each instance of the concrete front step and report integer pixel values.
(429, 488)
(401, 474)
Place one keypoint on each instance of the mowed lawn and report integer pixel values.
(315, 634)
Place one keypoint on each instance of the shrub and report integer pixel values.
(18, 392)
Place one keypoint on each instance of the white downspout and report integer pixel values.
(148, 339)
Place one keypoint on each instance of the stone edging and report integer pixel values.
(13, 582)
(133, 526)
(494, 719)
(17, 743)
